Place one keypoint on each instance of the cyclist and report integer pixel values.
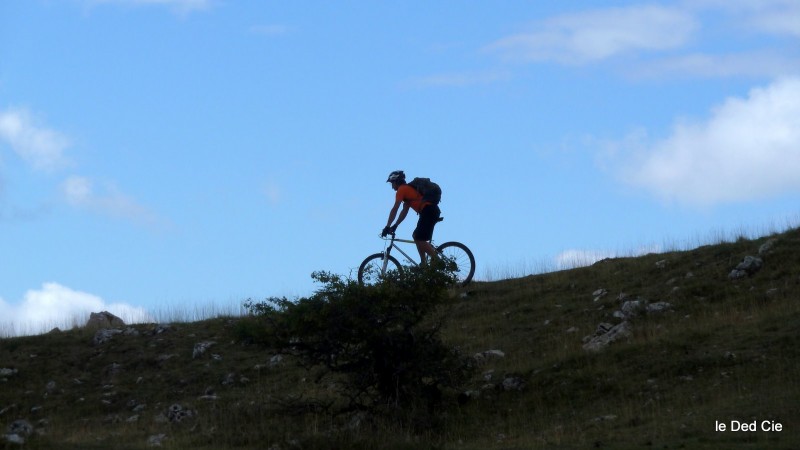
(429, 214)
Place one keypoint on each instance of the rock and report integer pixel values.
(8, 409)
(488, 354)
(618, 332)
(631, 308)
(156, 440)
(603, 328)
(751, 264)
(494, 354)
(598, 294)
(466, 396)
(748, 267)
(14, 439)
(737, 274)
(201, 347)
(605, 418)
(513, 383)
(104, 320)
(229, 379)
(767, 247)
(276, 361)
(162, 328)
(658, 307)
(21, 428)
(165, 357)
(130, 331)
(104, 335)
(177, 413)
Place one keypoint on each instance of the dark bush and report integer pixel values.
(384, 339)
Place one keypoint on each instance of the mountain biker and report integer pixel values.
(429, 214)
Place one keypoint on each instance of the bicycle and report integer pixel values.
(375, 266)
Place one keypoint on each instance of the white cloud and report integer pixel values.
(55, 305)
(573, 258)
(651, 31)
(770, 64)
(780, 22)
(749, 148)
(43, 149)
(779, 17)
(80, 192)
(77, 190)
(600, 34)
(37, 145)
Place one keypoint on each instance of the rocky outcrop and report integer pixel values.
(104, 319)
(606, 334)
(748, 267)
(201, 347)
(106, 334)
(630, 308)
(6, 373)
(18, 431)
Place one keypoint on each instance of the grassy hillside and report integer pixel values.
(724, 351)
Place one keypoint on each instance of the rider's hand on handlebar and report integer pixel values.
(388, 230)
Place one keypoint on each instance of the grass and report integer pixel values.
(728, 350)
(167, 313)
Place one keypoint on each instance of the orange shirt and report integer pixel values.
(409, 195)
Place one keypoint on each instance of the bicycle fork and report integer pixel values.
(385, 262)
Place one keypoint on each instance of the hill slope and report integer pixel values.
(715, 351)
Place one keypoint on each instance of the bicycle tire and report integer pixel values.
(462, 256)
(369, 272)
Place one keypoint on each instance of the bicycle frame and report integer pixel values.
(391, 244)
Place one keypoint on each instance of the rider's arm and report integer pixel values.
(393, 213)
(402, 214)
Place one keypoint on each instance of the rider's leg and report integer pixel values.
(424, 232)
(425, 248)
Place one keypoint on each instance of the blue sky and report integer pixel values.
(173, 153)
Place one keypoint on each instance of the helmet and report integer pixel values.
(397, 175)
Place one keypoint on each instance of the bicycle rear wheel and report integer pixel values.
(370, 271)
(462, 256)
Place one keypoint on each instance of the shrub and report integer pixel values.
(384, 339)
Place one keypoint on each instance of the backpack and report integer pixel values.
(430, 191)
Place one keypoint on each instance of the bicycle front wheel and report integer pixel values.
(372, 270)
(462, 256)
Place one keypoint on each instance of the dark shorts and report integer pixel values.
(428, 218)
